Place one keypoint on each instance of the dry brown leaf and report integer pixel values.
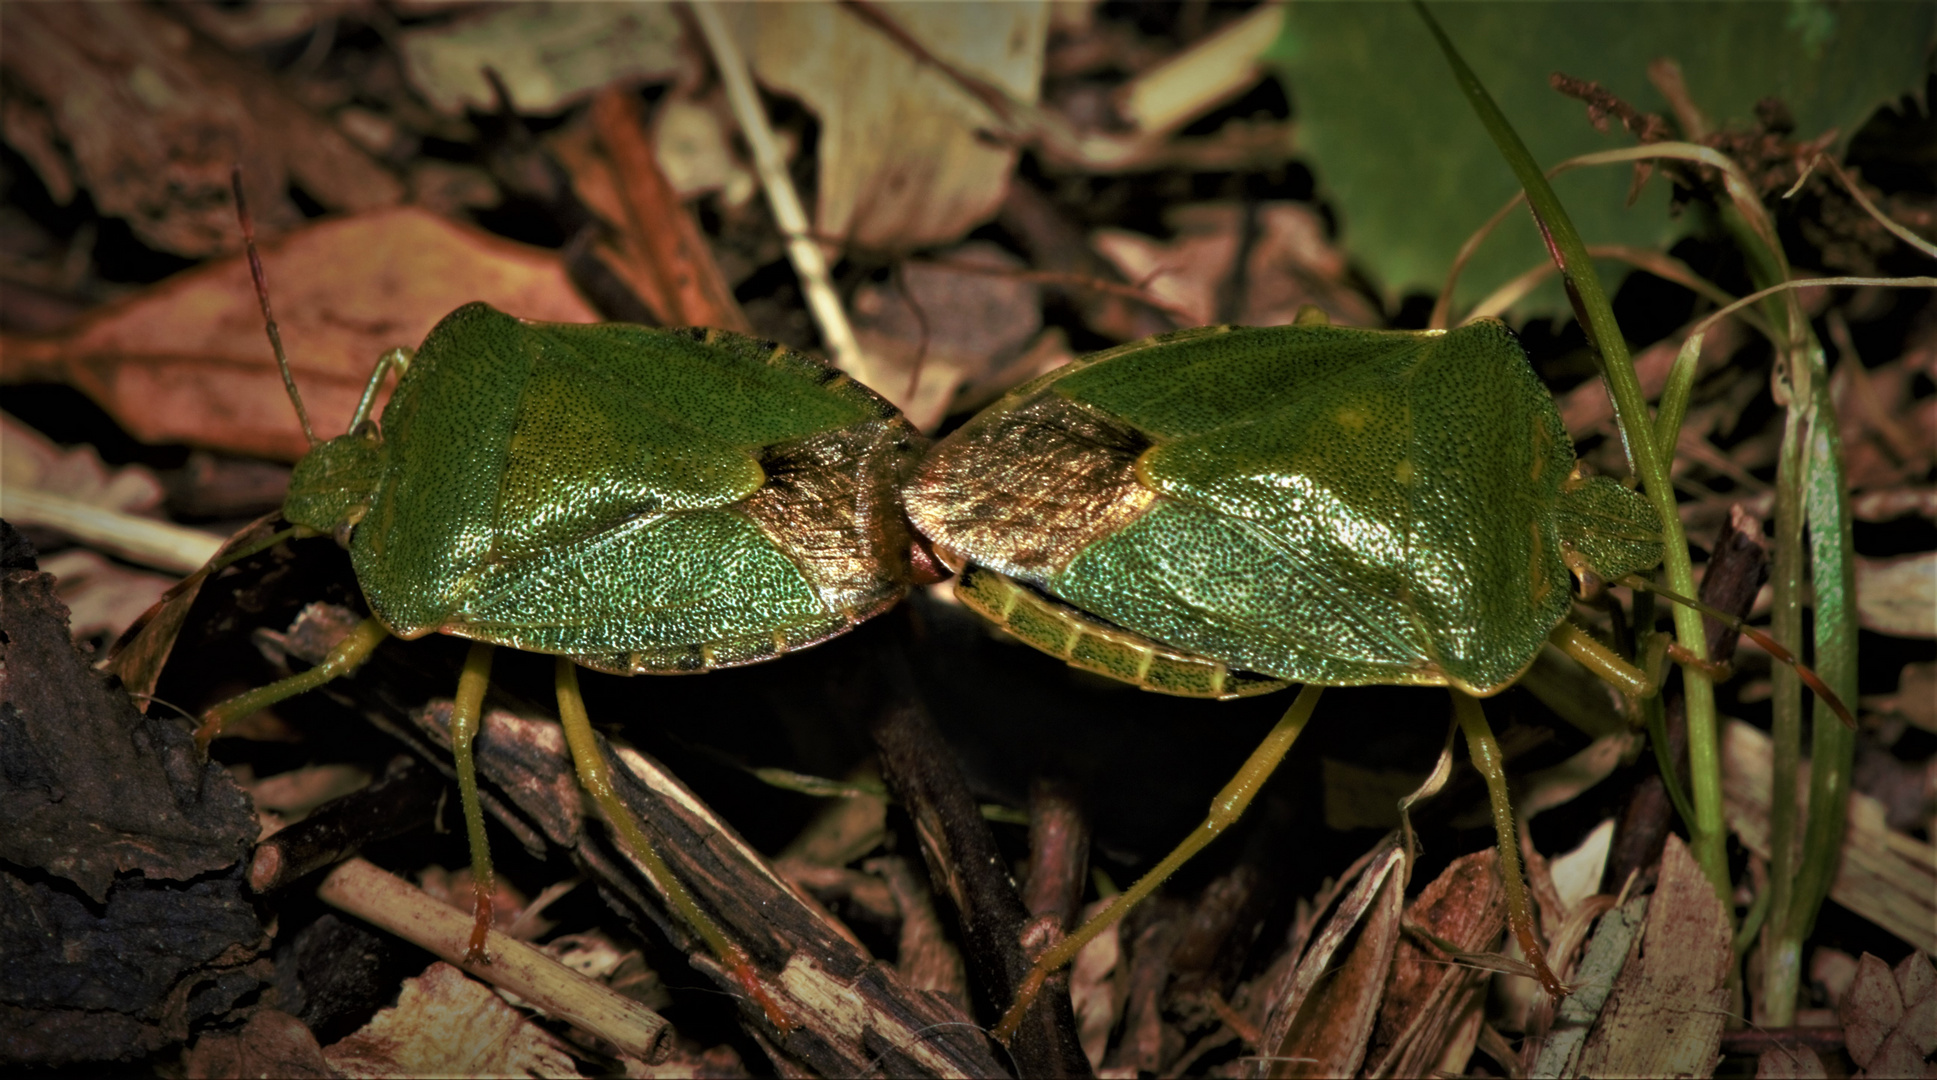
(1558, 785)
(102, 597)
(959, 326)
(138, 657)
(1332, 1033)
(72, 493)
(548, 55)
(901, 163)
(1915, 699)
(1214, 69)
(1871, 1009)
(1293, 263)
(272, 1043)
(1290, 264)
(1887, 877)
(1093, 991)
(1429, 994)
(1185, 272)
(186, 360)
(658, 230)
(1890, 1016)
(1896, 1057)
(1587, 410)
(29, 459)
(1917, 981)
(151, 117)
(1898, 596)
(1577, 874)
(926, 959)
(1889, 504)
(1834, 970)
(693, 142)
(1325, 1007)
(447, 1024)
(1665, 1014)
(1875, 410)
(249, 26)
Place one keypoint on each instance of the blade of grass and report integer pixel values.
(1793, 867)
(1707, 830)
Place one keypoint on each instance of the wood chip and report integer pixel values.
(1665, 1015)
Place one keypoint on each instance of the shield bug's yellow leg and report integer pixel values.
(1229, 805)
(345, 658)
(1631, 681)
(592, 776)
(1485, 753)
(466, 711)
(397, 360)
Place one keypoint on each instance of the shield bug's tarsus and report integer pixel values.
(630, 499)
(1222, 511)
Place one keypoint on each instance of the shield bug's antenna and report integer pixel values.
(262, 297)
(1768, 644)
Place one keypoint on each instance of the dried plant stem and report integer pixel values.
(160, 544)
(809, 261)
(390, 902)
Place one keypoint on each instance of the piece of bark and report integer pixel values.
(124, 925)
(964, 863)
(336, 972)
(405, 797)
(1665, 1014)
(92, 789)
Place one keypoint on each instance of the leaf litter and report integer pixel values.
(995, 195)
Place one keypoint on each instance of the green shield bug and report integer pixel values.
(1302, 503)
(631, 499)
(1222, 511)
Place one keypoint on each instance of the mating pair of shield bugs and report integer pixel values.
(1216, 512)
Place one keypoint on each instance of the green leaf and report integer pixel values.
(1399, 153)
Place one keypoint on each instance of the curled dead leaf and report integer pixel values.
(186, 360)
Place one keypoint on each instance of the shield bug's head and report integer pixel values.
(331, 489)
(1607, 529)
(332, 486)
